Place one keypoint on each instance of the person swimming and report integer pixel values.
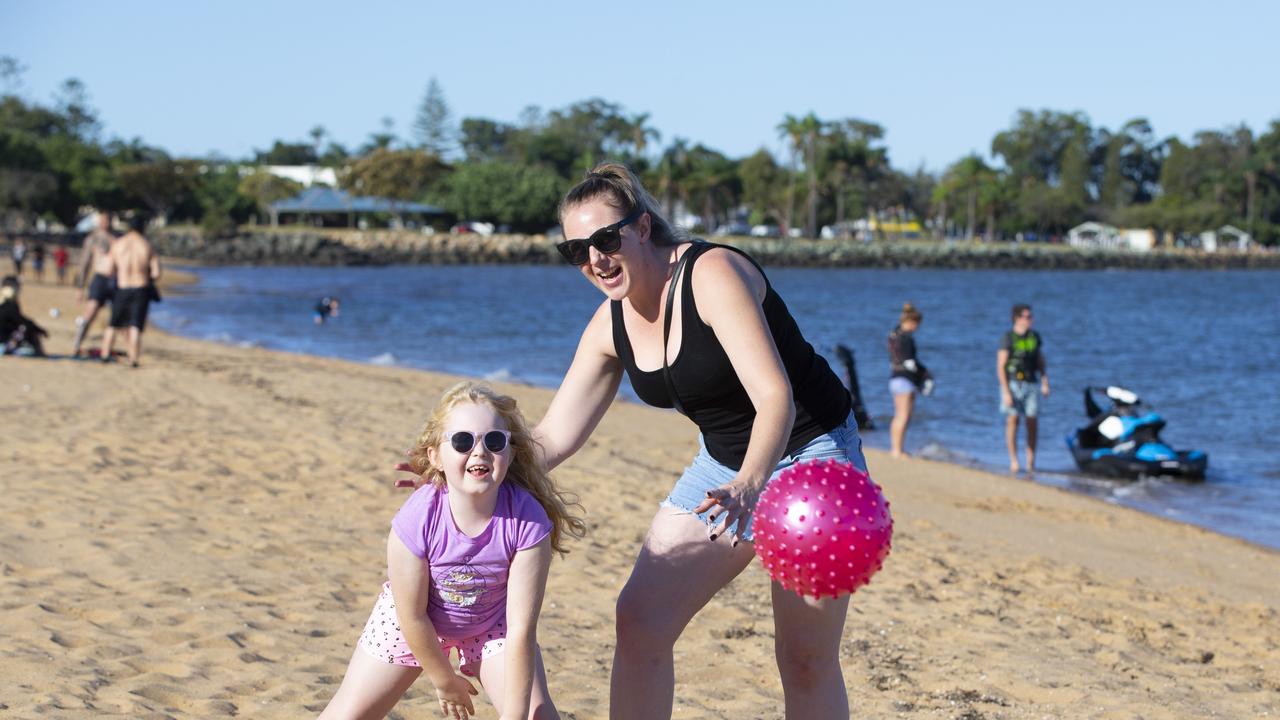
(326, 308)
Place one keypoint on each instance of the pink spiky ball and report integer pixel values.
(822, 528)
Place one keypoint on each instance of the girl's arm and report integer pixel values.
(585, 393)
(526, 584)
(729, 292)
(410, 587)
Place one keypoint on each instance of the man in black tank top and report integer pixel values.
(698, 327)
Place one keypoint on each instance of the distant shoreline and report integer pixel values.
(345, 247)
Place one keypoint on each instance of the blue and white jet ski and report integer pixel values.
(1123, 441)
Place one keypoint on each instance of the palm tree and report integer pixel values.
(812, 128)
(792, 129)
(641, 133)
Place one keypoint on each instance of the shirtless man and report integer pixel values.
(96, 257)
(137, 268)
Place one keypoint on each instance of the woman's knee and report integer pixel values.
(803, 665)
(641, 620)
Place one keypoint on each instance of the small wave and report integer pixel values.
(249, 344)
(500, 375)
(385, 358)
(938, 451)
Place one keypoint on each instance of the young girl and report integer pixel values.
(467, 559)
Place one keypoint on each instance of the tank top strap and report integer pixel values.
(700, 247)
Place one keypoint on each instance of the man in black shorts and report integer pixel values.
(95, 259)
(137, 268)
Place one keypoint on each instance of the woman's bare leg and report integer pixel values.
(807, 645)
(903, 403)
(678, 571)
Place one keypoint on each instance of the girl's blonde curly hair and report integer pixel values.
(526, 470)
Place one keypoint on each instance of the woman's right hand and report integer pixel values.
(1006, 399)
(454, 696)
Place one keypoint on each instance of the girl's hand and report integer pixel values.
(414, 482)
(736, 501)
(455, 697)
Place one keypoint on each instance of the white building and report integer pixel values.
(1227, 237)
(307, 175)
(1095, 234)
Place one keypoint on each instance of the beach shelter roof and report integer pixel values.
(319, 200)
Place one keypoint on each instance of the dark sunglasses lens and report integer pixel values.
(607, 241)
(495, 441)
(573, 251)
(462, 441)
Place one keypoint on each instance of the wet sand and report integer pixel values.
(204, 537)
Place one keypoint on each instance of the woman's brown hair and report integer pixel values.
(618, 186)
(910, 312)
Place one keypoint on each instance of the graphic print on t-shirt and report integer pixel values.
(462, 586)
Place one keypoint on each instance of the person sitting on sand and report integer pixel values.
(137, 269)
(18, 333)
(907, 375)
(467, 558)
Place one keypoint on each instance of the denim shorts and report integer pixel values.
(1026, 399)
(706, 473)
(901, 386)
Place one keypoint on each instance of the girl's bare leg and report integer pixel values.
(493, 680)
(370, 688)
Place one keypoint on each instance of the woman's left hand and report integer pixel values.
(734, 501)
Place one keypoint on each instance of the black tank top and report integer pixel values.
(709, 389)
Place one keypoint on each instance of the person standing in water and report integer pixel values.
(907, 375)
(136, 268)
(1019, 364)
(326, 308)
(95, 258)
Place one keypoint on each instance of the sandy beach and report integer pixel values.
(205, 536)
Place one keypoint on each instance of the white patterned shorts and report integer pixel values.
(383, 640)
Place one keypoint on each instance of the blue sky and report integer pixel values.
(942, 77)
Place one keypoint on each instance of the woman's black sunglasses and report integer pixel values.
(607, 240)
(495, 440)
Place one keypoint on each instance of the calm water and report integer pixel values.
(1202, 347)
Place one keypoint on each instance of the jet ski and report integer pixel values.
(1123, 441)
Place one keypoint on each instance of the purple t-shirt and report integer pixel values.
(469, 575)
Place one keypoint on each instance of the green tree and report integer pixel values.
(764, 186)
(848, 164)
(433, 125)
(264, 189)
(521, 196)
(160, 185)
(396, 174)
(483, 140)
(283, 153)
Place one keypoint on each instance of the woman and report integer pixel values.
(736, 364)
(907, 375)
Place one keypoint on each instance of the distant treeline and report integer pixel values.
(1054, 171)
